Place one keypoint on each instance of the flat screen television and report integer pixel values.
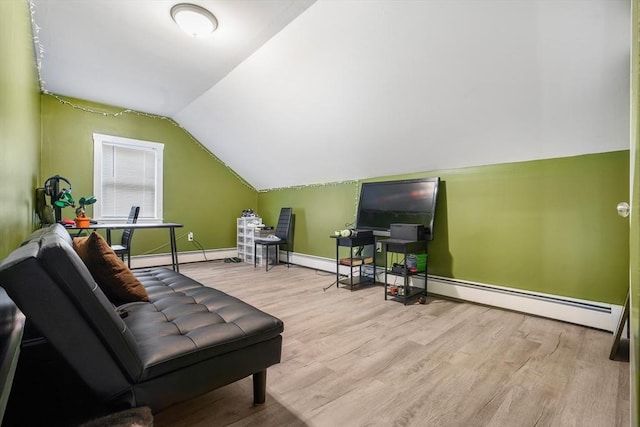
(409, 201)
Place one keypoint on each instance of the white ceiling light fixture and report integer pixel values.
(194, 20)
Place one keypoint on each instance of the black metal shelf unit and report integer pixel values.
(355, 262)
(404, 292)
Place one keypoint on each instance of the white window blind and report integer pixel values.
(127, 172)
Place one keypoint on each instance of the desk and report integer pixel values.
(122, 226)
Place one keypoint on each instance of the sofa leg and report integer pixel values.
(259, 387)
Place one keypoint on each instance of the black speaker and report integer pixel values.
(411, 232)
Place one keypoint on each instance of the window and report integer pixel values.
(127, 172)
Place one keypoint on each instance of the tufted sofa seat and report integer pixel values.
(187, 340)
(186, 323)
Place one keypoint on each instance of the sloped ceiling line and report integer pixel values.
(105, 113)
(296, 92)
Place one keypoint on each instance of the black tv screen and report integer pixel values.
(410, 201)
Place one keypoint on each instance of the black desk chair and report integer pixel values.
(124, 248)
(282, 237)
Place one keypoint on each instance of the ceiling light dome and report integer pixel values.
(194, 20)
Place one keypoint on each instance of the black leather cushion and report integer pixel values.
(51, 285)
(186, 322)
(11, 329)
(188, 339)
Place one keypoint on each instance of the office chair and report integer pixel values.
(282, 237)
(124, 248)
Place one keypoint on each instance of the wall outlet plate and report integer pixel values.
(190, 236)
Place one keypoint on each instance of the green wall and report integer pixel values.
(19, 124)
(319, 211)
(199, 190)
(548, 226)
(634, 235)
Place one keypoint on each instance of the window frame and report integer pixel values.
(100, 141)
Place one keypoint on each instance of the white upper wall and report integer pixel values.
(355, 89)
(130, 53)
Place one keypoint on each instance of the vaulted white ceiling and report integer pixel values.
(296, 92)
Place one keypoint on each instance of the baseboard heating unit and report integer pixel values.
(582, 312)
(593, 314)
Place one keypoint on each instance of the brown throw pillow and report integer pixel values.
(79, 242)
(112, 275)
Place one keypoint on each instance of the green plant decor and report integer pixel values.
(66, 199)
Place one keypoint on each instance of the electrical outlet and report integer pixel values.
(190, 236)
(378, 246)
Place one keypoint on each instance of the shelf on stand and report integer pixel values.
(357, 280)
(400, 295)
(405, 248)
(357, 262)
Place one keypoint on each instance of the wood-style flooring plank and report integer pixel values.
(350, 358)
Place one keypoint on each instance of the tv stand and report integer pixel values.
(405, 291)
(351, 262)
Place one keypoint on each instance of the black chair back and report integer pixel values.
(127, 234)
(284, 231)
(283, 228)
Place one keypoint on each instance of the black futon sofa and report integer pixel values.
(186, 340)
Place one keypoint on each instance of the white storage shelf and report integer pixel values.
(246, 234)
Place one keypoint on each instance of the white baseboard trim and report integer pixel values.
(141, 261)
(582, 312)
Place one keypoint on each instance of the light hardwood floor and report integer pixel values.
(354, 359)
